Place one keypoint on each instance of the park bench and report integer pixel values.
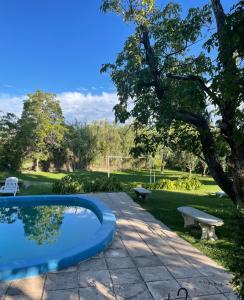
(141, 192)
(207, 222)
(220, 194)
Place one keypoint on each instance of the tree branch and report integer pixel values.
(197, 79)
(219, 14)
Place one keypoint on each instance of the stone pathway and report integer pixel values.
(146, 261)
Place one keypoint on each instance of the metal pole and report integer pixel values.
(108, 167)
(154, 177)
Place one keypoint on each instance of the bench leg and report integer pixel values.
(144, 197)
(208, 232)
(188, 221)
(211, 233)
(137, 195)
(141, 196)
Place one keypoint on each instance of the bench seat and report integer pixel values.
(207, 222)
(141, 192)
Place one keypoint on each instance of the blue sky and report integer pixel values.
(59, 46)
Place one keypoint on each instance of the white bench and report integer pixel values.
(220, 194)
(207, 222)
(141, 192)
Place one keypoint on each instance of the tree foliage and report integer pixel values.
(41, 125)
(10, 149)
(168, 82)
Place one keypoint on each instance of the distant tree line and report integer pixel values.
(41, 140)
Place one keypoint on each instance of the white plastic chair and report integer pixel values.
(10, 186)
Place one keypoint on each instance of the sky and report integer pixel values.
(59, 46)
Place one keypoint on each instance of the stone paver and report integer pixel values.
(145, 261)
(222, 282)
(93, 264)
(94, 278)
(183, 271)
(69, 294)
(120, 263)
(155, 273)
(199, 286)
(134, 291)
(161, 289)
(19, 297)
(24, 287)
(3, 288)
(123, 276)
(231, 296)
(211, 297)
(60, 280)
(116, 253)
(117, 243)
(148, 261)
(100, 292)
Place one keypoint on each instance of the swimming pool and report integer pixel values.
(39, 234)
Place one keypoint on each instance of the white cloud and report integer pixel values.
(13, 104)
(85, 107)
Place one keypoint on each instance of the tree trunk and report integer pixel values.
(238, 179)
(162, 167)
(204, 169)
(208, 149)
(215, 167)
(228, 106)
(34, 163)
(37, 165)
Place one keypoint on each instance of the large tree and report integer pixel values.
(41, 126)
(82, 145)
(168, 81)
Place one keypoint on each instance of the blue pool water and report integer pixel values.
(39, 234)
(34, 231)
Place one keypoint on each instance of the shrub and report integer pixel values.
(69, 184)
(181, 184)
(73, 184)
(111, 184)
(188, 183)
(168, 184)
(133, 184)
(152, 186)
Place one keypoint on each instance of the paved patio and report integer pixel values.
(145, 261)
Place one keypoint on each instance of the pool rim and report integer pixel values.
(40, 265)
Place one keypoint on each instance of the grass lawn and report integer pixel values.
(163, 205)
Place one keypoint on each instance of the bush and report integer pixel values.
(111, 184)
(152, 186)
(188, 183)
(181, 184)
(167, 184)
(69, 184)
(132, 185)
(73, 184)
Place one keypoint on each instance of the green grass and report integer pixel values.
(163, 205)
